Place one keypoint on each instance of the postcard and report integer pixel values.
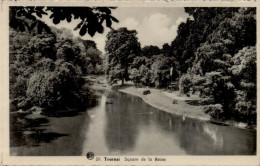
(129, 83)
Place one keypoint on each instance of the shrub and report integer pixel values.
(185, 84)
(35, 110)
(207, 101)
(61, 87)
(41, 89)
(135, 76)
(214, 110)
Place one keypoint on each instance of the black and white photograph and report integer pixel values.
(132, 81)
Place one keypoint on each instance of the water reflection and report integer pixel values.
(131, 124)
(57, 133)
(122, 124)
(28, 132)
(204, 138)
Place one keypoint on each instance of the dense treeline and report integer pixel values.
(224, 65)
(47, 64)
(127, 61)
(46, 69)
(213, 54)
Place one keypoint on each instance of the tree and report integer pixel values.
(197, 30)
(231, 35)
(94, 55)
(25, 18)
(121, 46)
(185, 84)
(62, 33)
(140, 70)
(45, 73)
(89, 55)
(46, 63)
(46, 86)
(166, 49)
(160, 71)
(219, 60)
(149, 51)
(244, 75)
(218, 89)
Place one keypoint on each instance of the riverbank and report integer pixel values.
(163, 100)
(168, 102)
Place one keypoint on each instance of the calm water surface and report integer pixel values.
(122, 124)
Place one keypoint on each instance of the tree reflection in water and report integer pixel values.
(128, 117)
(203, 138)
(28, 132)
(125, 126)
(60, 133)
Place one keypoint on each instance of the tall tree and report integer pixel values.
(121, 46)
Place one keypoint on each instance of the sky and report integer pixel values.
(155, 25)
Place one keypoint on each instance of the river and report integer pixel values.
(121, 124)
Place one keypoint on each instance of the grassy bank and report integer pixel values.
(164, 100)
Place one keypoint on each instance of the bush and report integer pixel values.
(160, 71)
(245, 110)
(185, 84)
(35, 110)
(59, 87)
(214, 110)
(207, 101)
(135, 76)
(42, 89)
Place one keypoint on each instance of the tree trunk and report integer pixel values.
(122, 81)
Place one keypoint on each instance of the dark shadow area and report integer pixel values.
(71, 112)
(219, 123)
(33, 138)
(193, 102)
(29, 133)
(62, 113)
(117, 87)
(26, 131)
(19, 122)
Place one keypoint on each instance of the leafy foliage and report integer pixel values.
(45, 72)
(220, 58)
(121, 46)
(141, 75)
(25, 18)
(185, 84)
(213, 55)
(215, 110)
(244, 74)
(149, 51)
(160, 70)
